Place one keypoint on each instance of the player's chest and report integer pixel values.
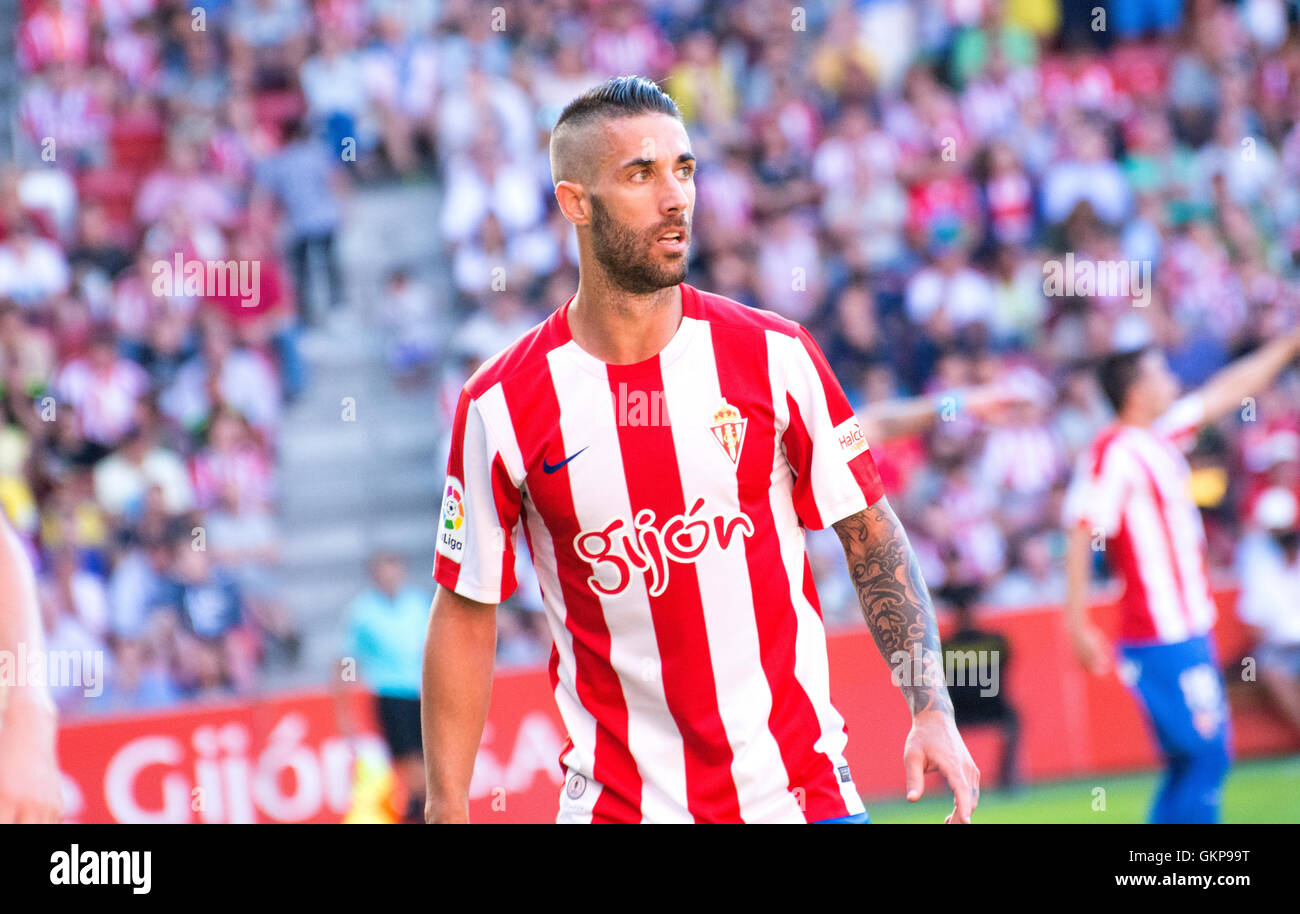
(651, 444)
(1162, 476)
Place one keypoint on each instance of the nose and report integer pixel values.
(675, 200)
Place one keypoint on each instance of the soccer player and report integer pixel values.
(663, 450)
(30, 789)
(1130, 493)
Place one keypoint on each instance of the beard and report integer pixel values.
(623, 254)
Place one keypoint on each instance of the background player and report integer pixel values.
(1131, 488)
(30, 789)
(690, 660)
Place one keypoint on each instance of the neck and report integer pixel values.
(621, 327)
(1136, 417)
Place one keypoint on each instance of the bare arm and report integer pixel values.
(895, 602)
(1225, 390)
(459, 654)
(1089, 643)
(896, 605)
(29, 772)
(898, 418)
(902, 417)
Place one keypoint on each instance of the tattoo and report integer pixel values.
(896, 604)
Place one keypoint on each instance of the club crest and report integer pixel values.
(729, 429)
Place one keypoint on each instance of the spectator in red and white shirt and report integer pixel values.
(222, 373)
(62, 113)
(231, 460)
(104, 388)
(183, 182)
(56, 32)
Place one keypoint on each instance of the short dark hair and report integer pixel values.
(1118, 372)
(622, 96)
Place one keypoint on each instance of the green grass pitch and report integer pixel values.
(1258, 791)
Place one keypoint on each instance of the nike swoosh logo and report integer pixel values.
(554, 467)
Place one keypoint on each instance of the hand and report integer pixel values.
(1091, 648)
(935, 745)
(996, 402)
(31, 790)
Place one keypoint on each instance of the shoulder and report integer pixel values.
(722, 312)
(1182, 419)
(1108, 451)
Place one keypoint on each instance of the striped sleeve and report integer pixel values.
(835, 473)
(480, 509)
(1182, 421)
(1095, 496)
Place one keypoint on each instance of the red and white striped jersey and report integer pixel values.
(1132, 486)
(664, 504)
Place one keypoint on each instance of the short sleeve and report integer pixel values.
(1180, 423)
(835, 473)
(1095, 496)
(480, 508)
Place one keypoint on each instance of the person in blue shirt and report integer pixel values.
(386, 624)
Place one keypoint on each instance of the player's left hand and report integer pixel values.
(933, 744)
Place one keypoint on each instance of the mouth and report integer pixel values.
(674, 240)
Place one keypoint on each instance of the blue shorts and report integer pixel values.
(860, 819)
(1181, 689)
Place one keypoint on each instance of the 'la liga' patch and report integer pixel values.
(451, 522)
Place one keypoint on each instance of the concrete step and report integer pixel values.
(412, 531)
(354, 493)
(355, 405)
(370, 480)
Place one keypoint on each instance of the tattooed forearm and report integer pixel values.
(896, 604)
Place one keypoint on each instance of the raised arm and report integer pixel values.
(459, 654)
(1225, 390)
(896, 605)
(898, 418)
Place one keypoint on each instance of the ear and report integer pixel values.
(573, 202)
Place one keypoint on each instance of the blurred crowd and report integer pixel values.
(141, 403)
(892, 174)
